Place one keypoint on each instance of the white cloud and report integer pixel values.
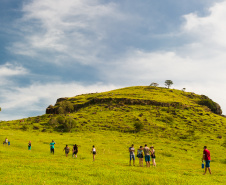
(9, 69)
(72, 30)
(209, 30)
(25, 101)
(199, 65)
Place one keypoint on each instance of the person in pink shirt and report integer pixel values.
(206, 157)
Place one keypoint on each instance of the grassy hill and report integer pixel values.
(177, 123)
(159, 111)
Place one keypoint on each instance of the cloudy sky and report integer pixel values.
(61, 48)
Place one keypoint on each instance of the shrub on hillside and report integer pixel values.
(60, 110)
(65, 107)
(66, 123)
(53, 121)
(61, 120)
(69, 124)
(138, 126)
(35, 127)
(24, 127)
(213, 106)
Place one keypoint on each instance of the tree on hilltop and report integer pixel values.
(168, 83)
(154, 84)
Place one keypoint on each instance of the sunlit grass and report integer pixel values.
(177, 162)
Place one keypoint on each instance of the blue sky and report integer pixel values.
(53, 48)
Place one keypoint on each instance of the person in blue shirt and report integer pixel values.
(52, 147)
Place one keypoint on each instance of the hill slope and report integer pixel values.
(160, 111)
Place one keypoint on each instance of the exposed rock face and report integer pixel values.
(213, 106)
(49, 109)
(54, 110)
(61, 99)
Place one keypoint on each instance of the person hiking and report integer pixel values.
(94, 152)
(67, 150)
(75, 151)
(153, 155)
(29, 145)
(52, 146)
(140, 155)
(6, 141)
(147, 155)
(206, 157)
(132, 156)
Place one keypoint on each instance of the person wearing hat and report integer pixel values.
(52, 147)
(153, 155)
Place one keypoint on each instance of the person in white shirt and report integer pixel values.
(94, 152)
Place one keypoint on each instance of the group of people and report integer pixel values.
(149, 153)
(74, 150)
(143, 152)
(52, 148)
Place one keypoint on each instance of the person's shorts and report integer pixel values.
(140, 156)
(29, 147)
(94, 152)
(75, 153)
(66, 152)
(147, 158)
(207, 163)
(52, 150)
(132, 157)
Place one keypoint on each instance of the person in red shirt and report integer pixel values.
(206, 157)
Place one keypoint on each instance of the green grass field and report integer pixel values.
(177, 162)
(175, 122)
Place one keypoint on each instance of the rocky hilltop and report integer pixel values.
(168, 99)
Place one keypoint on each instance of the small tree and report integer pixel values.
(154, 84)
(65, 107)
(168, 83)
(138, 126)
(61, 110)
